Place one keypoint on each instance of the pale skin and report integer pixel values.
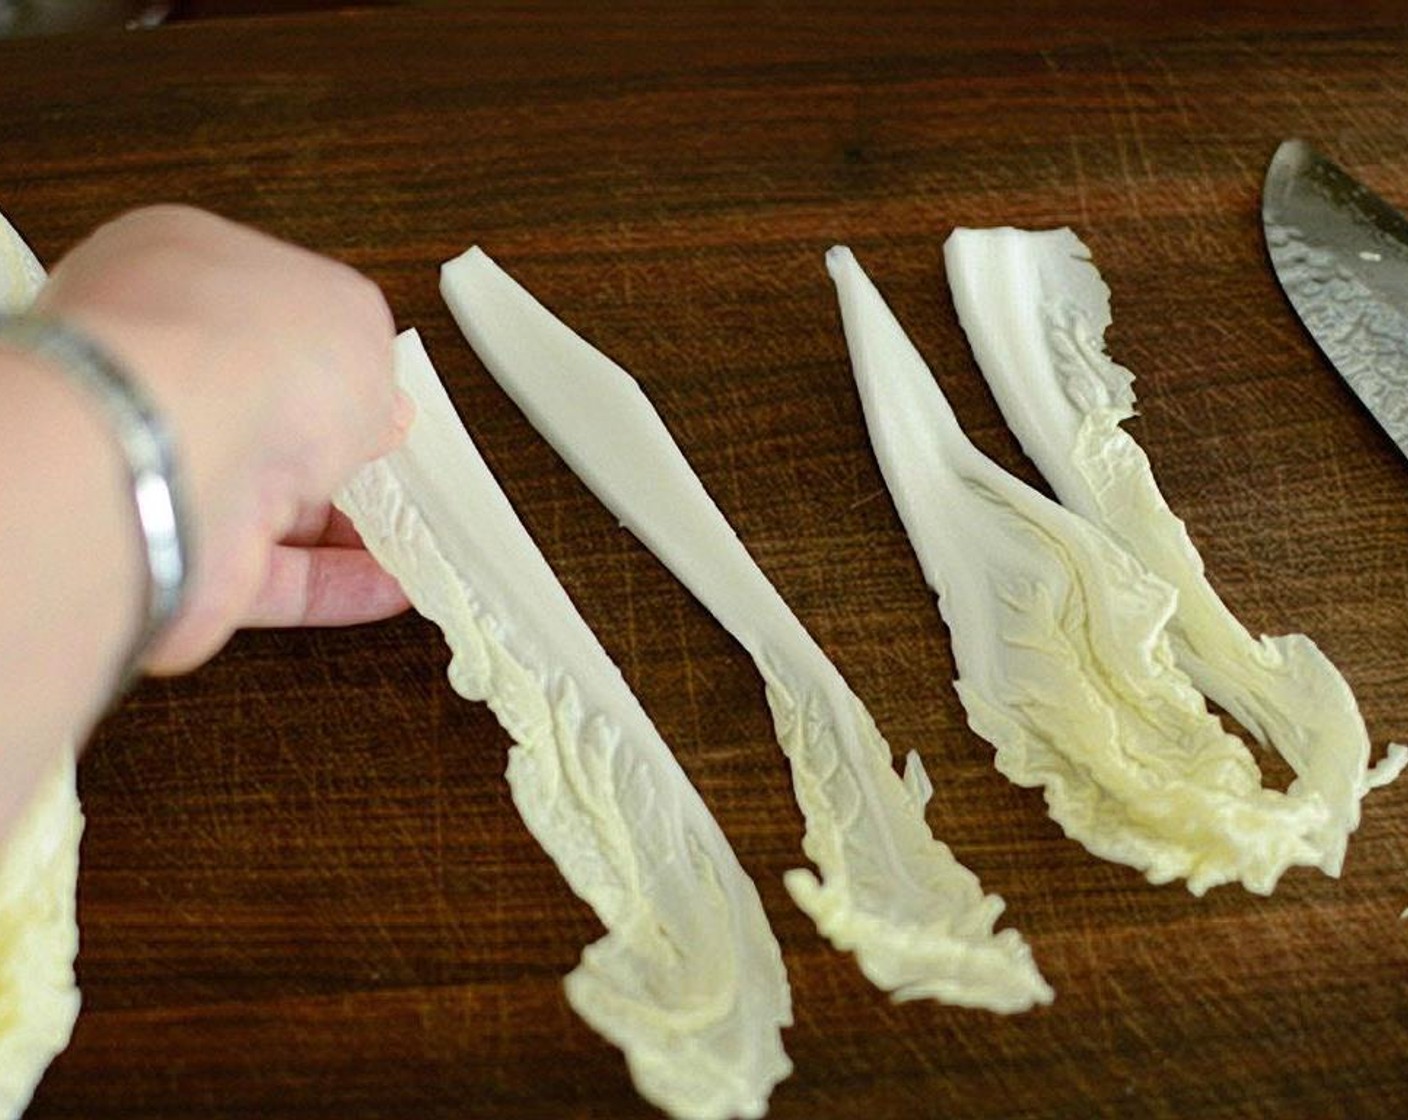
(272, 367)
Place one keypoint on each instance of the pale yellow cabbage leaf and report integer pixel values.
(1060, 641)
(1035, 310)
(688, 980)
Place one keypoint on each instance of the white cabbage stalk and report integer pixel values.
(918, 921)
(1059, 640)
(39, 998)
(1035, 311)
(688, 980)
(21, 274)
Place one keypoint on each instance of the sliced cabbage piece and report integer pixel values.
(1035, 310)
(21, 274)
(688, 980)
(39, 998)
(917, 920)
(1059, 639)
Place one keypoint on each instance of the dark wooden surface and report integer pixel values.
(224, 9)
(305, 891)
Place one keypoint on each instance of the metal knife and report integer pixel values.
(1341, 255)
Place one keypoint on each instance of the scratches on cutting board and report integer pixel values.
(1126, 113)
(1082, 193)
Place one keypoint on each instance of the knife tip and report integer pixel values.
(1292, 156)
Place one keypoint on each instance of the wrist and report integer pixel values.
(137, 432)
(70, 608)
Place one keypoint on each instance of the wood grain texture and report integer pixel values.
(305, 891)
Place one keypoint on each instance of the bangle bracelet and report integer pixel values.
(146, 445)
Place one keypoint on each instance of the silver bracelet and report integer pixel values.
(146, 445)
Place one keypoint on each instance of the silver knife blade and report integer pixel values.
(1341, 255)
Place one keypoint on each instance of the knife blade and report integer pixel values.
(1340, 254)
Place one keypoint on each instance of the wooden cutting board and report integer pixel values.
(305, 891)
